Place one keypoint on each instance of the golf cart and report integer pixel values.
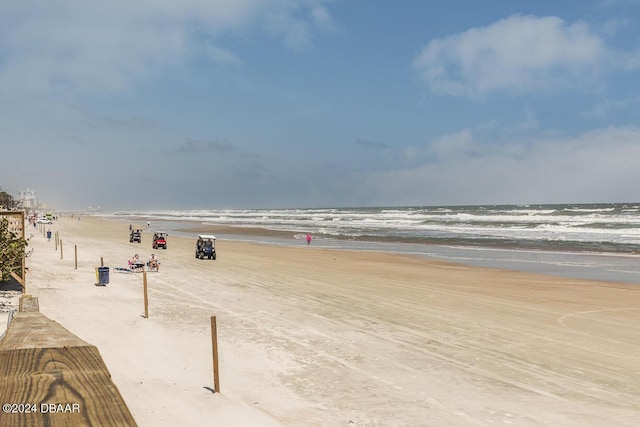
(159, 240)
(206, 247)
(135, 236)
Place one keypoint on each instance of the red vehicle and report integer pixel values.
(159, 240)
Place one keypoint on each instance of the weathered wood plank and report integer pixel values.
(29, 303)
(34, 330)
(72, 377)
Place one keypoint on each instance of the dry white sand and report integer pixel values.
(316, 337)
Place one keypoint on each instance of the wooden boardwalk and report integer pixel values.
(50, 377)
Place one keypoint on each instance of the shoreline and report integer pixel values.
(619, 267)
(191, 226)
(585, 228)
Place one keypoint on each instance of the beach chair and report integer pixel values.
(137, 267)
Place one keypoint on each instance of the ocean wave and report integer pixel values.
(592, 226)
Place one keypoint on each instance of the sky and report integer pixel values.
(199, 104)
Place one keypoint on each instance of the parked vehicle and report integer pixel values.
(159, 240)
(206, 247)
(135, 235)
(44, 220)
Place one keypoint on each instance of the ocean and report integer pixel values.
(588, 241)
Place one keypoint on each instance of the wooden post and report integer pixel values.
(146, 299)
(24, 271)
(214, 346)
(76, 256)
(56, 239)
(61, 253)
(24, 261)
(101, 262)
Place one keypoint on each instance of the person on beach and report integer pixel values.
(130, 227)
(308, 239)
(154, 263)
(135, 263)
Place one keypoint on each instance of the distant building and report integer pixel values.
(27, 199)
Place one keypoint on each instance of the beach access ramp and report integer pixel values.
(50, 377)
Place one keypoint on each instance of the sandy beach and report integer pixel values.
(319, 337)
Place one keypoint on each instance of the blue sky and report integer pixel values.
(282, 103)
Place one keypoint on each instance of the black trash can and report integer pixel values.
(103, 276)
(49, 235)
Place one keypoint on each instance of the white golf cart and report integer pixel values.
(206, 246)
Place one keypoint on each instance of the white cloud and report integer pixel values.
(597, 166)
(222, 56)
(103, 47)
(321, 18)
(516, 54)
(445, 148)
(295, 32)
